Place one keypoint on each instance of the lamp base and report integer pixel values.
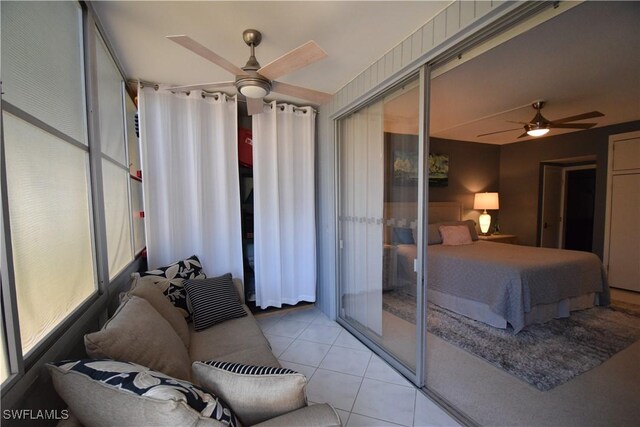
(485, 222)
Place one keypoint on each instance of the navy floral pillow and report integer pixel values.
(142, 381)
(170, 280)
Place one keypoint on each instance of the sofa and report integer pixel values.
(156, 363)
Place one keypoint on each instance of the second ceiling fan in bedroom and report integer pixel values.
(254, 81)
(539, 125)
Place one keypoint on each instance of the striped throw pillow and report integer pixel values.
(213, 300)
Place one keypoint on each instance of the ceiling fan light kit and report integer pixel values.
(254, 81)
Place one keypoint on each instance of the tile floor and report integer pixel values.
(362, 387)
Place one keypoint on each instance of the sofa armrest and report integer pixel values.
(321, 415)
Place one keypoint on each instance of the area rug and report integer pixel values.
(544, 356)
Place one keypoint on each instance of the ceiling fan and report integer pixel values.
(539, 125)
(254, 81)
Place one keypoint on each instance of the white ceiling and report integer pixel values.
(354, 35)
(585, 59)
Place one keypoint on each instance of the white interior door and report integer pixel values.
(622, 242)
(551, 206)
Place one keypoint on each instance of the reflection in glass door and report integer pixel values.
(379, 183)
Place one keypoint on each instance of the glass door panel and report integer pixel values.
(379, 182)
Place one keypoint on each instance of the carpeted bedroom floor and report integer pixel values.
(603, 395)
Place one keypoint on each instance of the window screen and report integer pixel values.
(51, 227)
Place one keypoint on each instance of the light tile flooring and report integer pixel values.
(341, 371)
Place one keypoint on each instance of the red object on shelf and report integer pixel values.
(141, 214)
(245, 147)
(139, 174)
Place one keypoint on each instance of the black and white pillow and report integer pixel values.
(170, 279)
(213, 300)
(136, 380)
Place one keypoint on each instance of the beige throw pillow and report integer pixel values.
(138, 333)
(256, 393)
(154, 296)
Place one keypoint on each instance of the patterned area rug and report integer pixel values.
(544, 355)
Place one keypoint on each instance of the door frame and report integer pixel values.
(541, 204)
(418, 374)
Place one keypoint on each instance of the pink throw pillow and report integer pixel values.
(455, 235)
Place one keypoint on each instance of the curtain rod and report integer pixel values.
(215, 96)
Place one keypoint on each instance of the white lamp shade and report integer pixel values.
(253, 91)
(486, 201)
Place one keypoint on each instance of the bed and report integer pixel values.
(501, 284)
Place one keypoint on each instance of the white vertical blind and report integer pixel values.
(42, 63)
(191, 179)
(284, 205)
(117, 217)
(49, 212)
(361, 215)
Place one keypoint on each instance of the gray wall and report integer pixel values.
(520, 178)
(473, 168)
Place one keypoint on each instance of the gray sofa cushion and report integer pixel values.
(107, 393)
(256, 393)
(239, 338)
(138, 333)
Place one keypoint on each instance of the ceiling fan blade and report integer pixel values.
(297, 58)
(254, 105)
(523, 135)
(314, 96)
(500, 131)
(572, 125)
(203, 86)
(195, 47)
(589, 115)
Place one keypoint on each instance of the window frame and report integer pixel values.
(24, 368)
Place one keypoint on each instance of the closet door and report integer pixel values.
(623, 255)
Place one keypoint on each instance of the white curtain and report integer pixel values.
(191, 179)
(284, 205)
(361, 215)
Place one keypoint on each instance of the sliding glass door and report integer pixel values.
(380, 182)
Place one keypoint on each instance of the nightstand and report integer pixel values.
(389, 267)
(500, 238)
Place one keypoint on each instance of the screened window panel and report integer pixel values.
(51, 226)
(110, 104)
(137, 206)
(48, 82)
(4, 358)
(133, 143)
(117, 217)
